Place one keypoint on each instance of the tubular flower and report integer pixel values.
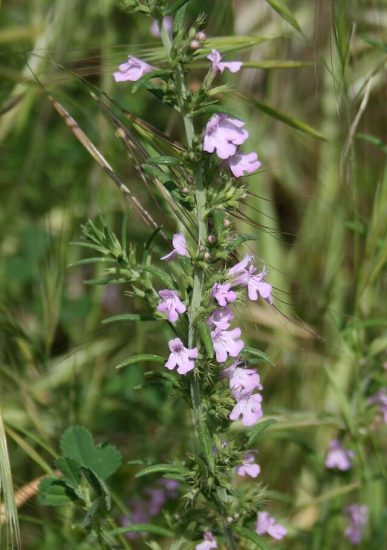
(244, 381)
(245, 273)
(357, 516)
(223, 135)
(181, 356)
(208, 542)
(171, 304)
(380, 399)
(242, 164)
(267, 524)
(222, 294)
(249, 408)
(221, 318)
(132, 70)
(226, 342)
(248, 467)
(218, 65)
(337, 457)
(167, 23)
(179, 247)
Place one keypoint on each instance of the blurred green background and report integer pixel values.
(316, 112)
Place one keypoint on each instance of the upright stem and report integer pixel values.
(197, 291)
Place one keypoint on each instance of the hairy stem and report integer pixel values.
(198, 283)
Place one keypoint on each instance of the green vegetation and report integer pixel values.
(313, 91)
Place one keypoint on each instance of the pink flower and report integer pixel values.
(267, 524)
(167, 23)
(248, 467)
(132, 70)
(337, 457)
(249, 408)
(244, 273)
(380, 399)
(221, 318)
(179, 247)
(171, 304)
(223, 135)
(217, 65)
(357, 516)
(239, 273)
(181, 356)
(226, 342)
(208, 543)
(256, 286)
(222, 294)
(244, 381)
(241, 164)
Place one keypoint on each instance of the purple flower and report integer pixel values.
(221, 318)
(222, 294)
(171, 304)
(256, 286)
(217, 65)
(380, 399)
(357, 516)
(249, 408)
(337, 457)
(248, 467)
(223, 135)
(208, 543)
(244, 381)
(179, 247)
(167, 23)
(181, 356)
(226, 342)
(239, 273)
(157, 500)
(171, 486)
(132, 70)
(244, 273)
(241, 164)
(267, 524)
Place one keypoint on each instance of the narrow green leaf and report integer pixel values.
(156, 173)
(162, 468)
(343, 400)
(276, 64)
(143, 528)
(282, 117)
(283, 11)
(165, 160)
(167, 279)
(206, 443)
(140, 359)
(212, 109)
(251, 536)
(373, 140)
(258, 353)
(148, 76)
(376, 43)
(240, 240)
(259, 428)
(205, 336)
(87, 261)
(130, 317)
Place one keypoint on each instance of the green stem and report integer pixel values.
(198, 283)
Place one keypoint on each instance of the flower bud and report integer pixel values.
(194, 45)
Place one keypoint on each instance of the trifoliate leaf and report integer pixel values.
(77, 443)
